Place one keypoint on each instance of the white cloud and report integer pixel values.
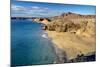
(17, 7)
(35, 7)
(31, 11)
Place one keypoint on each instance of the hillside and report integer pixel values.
(72, 33)
(74, 23)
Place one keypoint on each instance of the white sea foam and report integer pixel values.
(45, 32)
(44, 36)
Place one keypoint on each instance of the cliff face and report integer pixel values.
(74, 34)
(74, 23)
(42, 20)
(70, 22)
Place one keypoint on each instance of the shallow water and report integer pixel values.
(28, 44)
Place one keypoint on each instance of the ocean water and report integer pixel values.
(30, 44)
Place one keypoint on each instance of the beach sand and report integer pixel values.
(71, 44)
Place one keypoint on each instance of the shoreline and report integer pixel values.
(60, 55)
(69, 46)
(66, 53)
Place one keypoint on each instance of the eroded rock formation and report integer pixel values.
(74, 23)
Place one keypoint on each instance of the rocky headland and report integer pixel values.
(73, 34)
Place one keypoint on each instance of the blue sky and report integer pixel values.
(38, 9)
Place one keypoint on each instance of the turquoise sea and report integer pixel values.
(30, 44)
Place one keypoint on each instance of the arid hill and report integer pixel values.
(71, 22)
(74, 34)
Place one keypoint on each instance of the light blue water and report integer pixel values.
(28, 47)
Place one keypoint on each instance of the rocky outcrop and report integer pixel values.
(42, 20)
(62, 27)
(74, 23)
(75, 35)
(70, 22)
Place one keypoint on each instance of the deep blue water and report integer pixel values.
(28, 46)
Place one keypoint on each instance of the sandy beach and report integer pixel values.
(72, 44)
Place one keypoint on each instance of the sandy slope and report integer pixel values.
(72, 44)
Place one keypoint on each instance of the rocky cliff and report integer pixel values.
(73, 34)
(71, 22)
